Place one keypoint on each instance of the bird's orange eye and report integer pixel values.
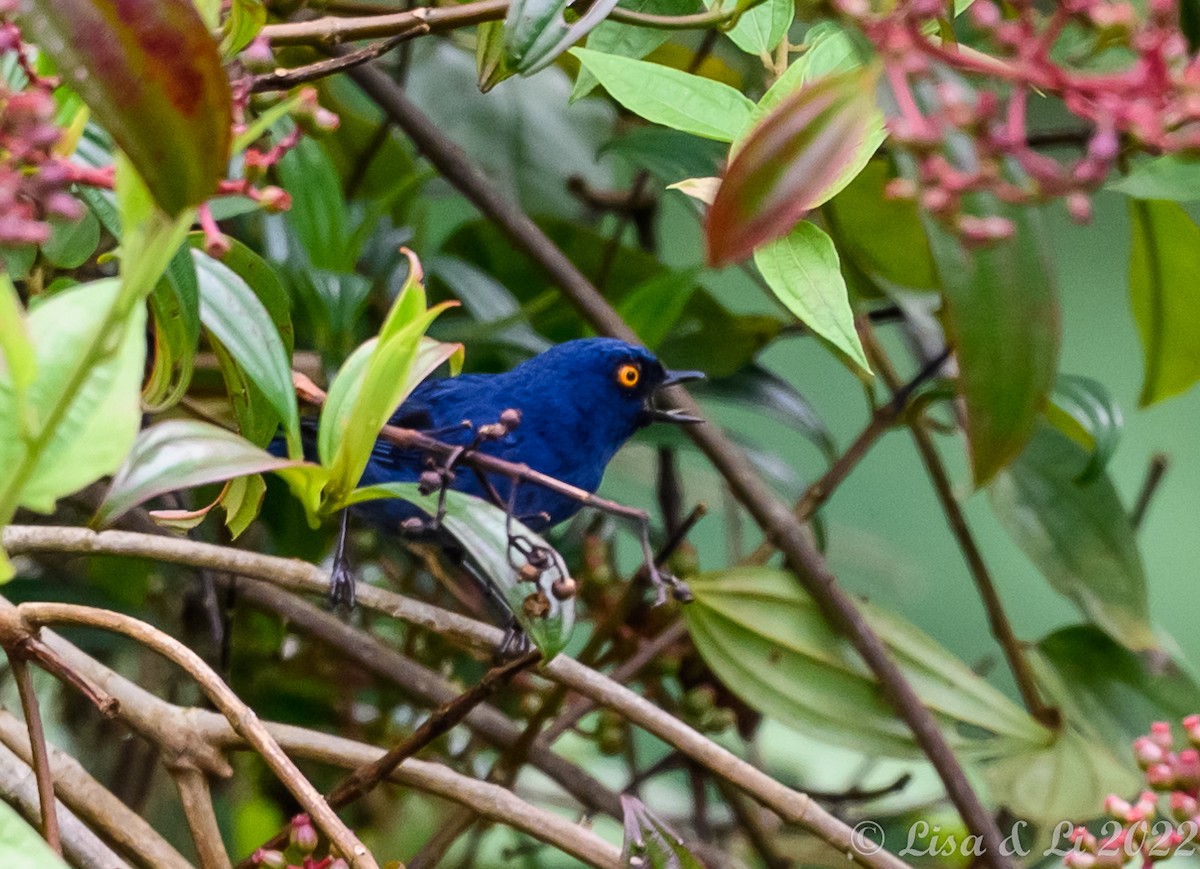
(628, 376)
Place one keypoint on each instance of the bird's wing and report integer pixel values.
(429, 408)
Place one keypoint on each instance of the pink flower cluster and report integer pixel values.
(962, 112)
(302, 839)
(33, 181)
(1138, 830)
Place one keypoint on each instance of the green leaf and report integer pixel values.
(175, 313)
(1083, 410)
(1165, 297)
(802, 153)
(490, 61)
(769, 643)
(1118, 693)
(652, 308)
(883, 237)
(261, 277)
(246, 18)
(536, 32)
(1002, 318)
(179, 454)
(151, 74)
(482, 530)
(72, 243)
(670, 97)
(16, 349)
(317, 218)
(103, 414)
(20, 845)
(242, 503)
(803, 271)
(649, 842)
(16, 262)
(760, 29)
(1078, 534)
(669, 155)
(1172, 177)
(232, 312)
(625, 40)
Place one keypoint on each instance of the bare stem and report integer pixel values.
(1001, 627)
(41, 760)
(1159, 463)
(196, 799)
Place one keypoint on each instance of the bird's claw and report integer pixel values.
(664, 582)
(515, 644)
(341, 585)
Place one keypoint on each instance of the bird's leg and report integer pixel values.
(515, 642)
(661, 580)
(341, 578)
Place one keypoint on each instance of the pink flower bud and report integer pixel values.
(1079, 860)
(1079, 206)
(1160, 776)
(274, 199)
(1187, 769)
(269, 858)
(1191, 726)
(1183, 806)
(1117, 807)
(304, 834)
(1147, 752)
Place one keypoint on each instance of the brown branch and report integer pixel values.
(284, 79)
(333, 30)
(94, 805)
(240, 715)
(367, 777)
(196, 799)
(37, 740)
(1001, 628)
(773, 516)
(427, 686)
(793, 806)
(1157, 469)
(82, 848)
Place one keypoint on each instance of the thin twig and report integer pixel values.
(773, 516)
(333, 30)
(196, 799)
(93, 804)
(240, 715)
(1155, 471)
(364, 779)
(41, 760)
(1002, 629)
(792, 806)
(284, 79)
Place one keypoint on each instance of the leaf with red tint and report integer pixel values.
(151, 74)
(793, 160)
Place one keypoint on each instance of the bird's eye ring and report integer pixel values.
(628, 375)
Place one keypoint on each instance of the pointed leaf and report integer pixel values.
(1174, 177)
(482, 529)
(626, 40)
(798, 156)
(1002, 318)
(150, 72)
(179, 454)
(1078, 534)
(768, 642)
(1084, 411)
(803, 271)
(671, 97)
(20, 845)
(649, 842)
(232, 312)
(490, 61)
(100, 422)
(1165, 296)
(760, 29)
(536, 32)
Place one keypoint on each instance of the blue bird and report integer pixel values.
(579, 402)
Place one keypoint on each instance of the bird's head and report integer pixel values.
(614, 384)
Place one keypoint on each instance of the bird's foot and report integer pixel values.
(516, 643)
(341, 585)
(664, 582)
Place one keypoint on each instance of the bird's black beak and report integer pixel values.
(660, 414)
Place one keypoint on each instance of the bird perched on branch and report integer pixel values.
(565, 412)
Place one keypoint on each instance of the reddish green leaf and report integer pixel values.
(1002, 317)
(150, 72)
(791, 162)
(179, 454)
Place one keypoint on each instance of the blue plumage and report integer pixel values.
(579, 402)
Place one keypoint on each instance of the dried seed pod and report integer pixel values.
(537, 605)
(529, 573)
(492, 431)
(413, 525)
(510, 418)
(564, 587)
(429, 482)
